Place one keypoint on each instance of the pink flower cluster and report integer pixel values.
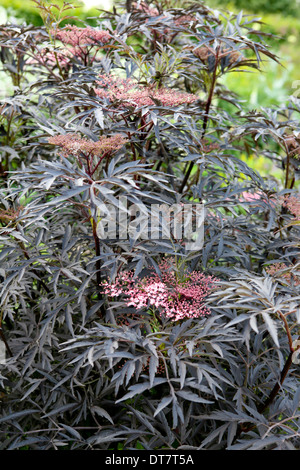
(129, 93)
(292, 203)
(258, 196)
(72, 144)
(82, 40)
(76, 36)
(281, 270)
(175, 298)
(92, 152)
(249, 197)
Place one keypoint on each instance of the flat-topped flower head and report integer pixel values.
(88, 152)
(127, 92)
(79, 42)
(177, 299)
(292, 204)
(72, 144)
(281, 271)
(75, 36)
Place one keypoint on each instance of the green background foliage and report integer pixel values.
(26, 10)
(86, 371)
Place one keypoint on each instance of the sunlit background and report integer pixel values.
(20, 9)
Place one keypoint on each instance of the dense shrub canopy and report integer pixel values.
(140, 342)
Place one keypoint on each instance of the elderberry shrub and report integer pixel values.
(129, 319)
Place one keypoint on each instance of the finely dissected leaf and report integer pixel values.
(140, 388)
(217, 433)
(164, 402)
(60, 410)
(72, 431)
(18, 414)
(101, 412)
(191, 396)
(27, 442)
(153, 365)
(67, 195)
(31, 389)
(108, 436)
(253, 323)
(271, 326)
